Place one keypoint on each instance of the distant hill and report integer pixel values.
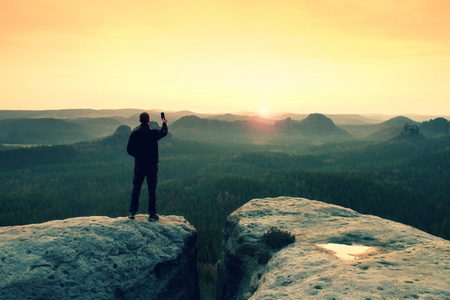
(234, 117)
(435, 128)
(399, 121)
(196, 124)
(351, 119)
(119, 114)
(389, 128)
(40, 131)
(75, 125)
(393, 127)
(50, 131)
(67, 113)
(97, 127)
(193, 127)
(315, 126)
(338, 119)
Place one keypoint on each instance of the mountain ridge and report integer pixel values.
(315, 126)
(340, 118)
(185, 125)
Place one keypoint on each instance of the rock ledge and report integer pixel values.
(99, 258)
(394, 261)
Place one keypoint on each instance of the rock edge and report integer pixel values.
(99, 258)
(407, 263)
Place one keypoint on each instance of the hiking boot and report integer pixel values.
(131, 216)
(153, 217)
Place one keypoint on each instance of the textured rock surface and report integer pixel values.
(402, 262)
(99, 258)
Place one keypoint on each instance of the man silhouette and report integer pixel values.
(143, 146)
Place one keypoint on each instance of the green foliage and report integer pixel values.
(205, 182)
(277, 238)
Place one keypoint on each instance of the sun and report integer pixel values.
(263, 112)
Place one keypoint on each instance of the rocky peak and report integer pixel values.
(411, 129)
(318, 121)
(315, 126)
(123, 130)
(337, 254)
(436, 128)
(99, 258)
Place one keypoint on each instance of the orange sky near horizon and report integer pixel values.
(324, 56)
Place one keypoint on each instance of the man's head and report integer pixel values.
(144, 118)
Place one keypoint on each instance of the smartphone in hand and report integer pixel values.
(162, 116)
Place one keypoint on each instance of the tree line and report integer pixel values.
(205, 183)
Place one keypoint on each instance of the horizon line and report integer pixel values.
(268, 114)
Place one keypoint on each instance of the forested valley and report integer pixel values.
(405, 179)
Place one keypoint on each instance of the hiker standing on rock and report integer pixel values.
(143, 146)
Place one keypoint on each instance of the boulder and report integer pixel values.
(337, 254)
(99, 258)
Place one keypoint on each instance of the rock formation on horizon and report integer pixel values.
(337, 254)
(99, 258)
(315, 126)
(436, 128)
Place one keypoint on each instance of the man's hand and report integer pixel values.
(164, 120)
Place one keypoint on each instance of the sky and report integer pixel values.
(210, 56)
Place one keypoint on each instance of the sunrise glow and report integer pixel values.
(226, 56)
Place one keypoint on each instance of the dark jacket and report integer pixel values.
(143, 144)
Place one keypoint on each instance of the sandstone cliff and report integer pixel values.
(337, 254)
(99, 258)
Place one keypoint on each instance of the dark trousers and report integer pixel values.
(140, 172)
